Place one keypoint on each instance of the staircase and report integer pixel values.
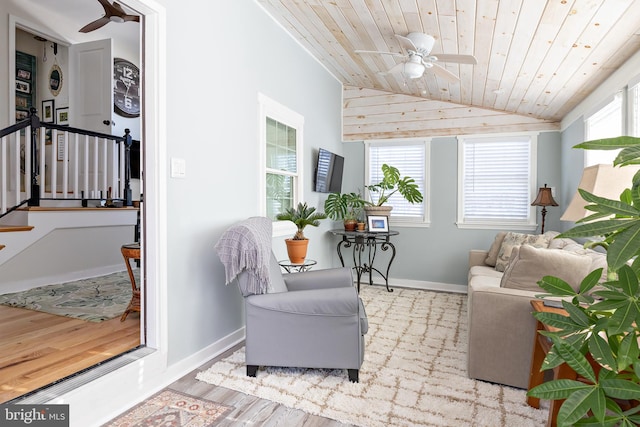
(55, 185)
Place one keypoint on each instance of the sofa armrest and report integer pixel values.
(477, 257)
(319, 279)
(315, 302)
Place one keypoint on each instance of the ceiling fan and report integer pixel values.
(113, 13)
(418, 58)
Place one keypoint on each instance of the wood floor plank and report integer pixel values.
(37, 348)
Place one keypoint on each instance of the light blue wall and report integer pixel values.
(440, 253)
(572, 164)
(216, 66)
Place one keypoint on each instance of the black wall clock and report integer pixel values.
(126, 88)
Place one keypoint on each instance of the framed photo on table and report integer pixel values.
(378, 224)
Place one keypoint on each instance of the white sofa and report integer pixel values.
(502, 281)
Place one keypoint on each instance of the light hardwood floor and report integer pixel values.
(248, 410)
(37, 348)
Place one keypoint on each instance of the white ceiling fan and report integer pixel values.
(418, 58)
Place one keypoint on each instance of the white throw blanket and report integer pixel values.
(247, 246)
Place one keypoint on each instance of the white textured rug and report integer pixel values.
(414, 373)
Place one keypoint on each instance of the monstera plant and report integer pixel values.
(598, 338)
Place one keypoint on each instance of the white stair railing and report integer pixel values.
(69, 164)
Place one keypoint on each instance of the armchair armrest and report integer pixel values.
(319, 279)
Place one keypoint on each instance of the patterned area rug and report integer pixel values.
(414, 373)
(173, 409)
(94, 300)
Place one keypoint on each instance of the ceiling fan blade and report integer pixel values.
(381, 53)
(398, 68)
(119, 11)
(460, 59)
(444, 73)
(92, 26)
(132, 18)
(406, 43)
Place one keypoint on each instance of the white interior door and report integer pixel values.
(91, 95)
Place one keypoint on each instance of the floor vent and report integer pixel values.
(65, 385)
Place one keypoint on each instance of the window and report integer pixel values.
(634, 108)
(411, 157)
(496, 181)
(605, 122)
(281, 133)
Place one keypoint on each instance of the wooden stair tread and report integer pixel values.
(8, 228)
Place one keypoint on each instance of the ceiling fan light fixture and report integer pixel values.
(118, 19)
(413, 70)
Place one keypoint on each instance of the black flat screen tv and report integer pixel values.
(329, 168)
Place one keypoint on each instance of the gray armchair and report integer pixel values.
(313, 319)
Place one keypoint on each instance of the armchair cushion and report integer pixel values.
(315, 279)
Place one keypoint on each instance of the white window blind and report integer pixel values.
(606, 122)
(634, 106)
(410, 157)
(495, 180)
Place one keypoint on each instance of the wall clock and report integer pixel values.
(126, 88)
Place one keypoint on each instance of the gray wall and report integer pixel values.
(235, 51)
(440, 253)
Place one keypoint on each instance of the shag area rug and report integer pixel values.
(170, 408)
(414, 373)
(94, 300)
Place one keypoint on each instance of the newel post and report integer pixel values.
(128, 141)
(35, 187)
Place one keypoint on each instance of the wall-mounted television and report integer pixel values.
(328, 174)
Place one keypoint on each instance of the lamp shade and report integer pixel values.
(544, 198)
(603, 181)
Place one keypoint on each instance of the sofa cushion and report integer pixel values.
(492, 255)
(511, 240)
(529, 264)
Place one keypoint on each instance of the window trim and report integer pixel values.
(500, 224)
(425, 221)
(276, 111)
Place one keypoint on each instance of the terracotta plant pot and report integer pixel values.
(297, 250)
(350, 224)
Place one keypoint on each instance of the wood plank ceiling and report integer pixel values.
(536, 59)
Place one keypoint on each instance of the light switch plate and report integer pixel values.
(178, 168)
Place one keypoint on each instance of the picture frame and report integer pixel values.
(62, 116)
(378, 223)
(23, 74)
(48, 111)
(21, 115)
(24, 87)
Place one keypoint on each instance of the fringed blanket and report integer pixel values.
(247, 246)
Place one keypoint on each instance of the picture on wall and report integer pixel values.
(23, 87)
(48, 111)
(62, 116)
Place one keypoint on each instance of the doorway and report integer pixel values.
(59, 362)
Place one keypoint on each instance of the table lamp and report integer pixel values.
(544, 199)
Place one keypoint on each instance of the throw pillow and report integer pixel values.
(492, 255)
(529, 264)
(512, 240)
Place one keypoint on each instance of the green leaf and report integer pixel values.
(628, 351)
(628, 155)
(601, 351)
(579, 403)
(590, 281)
(628, 280)
(556, 286)
(577, 314)
(576, 360)
(609, 143)
(599, 228)
(625, 246)
(621, 389)
(602, 204)
(557, 389)
(623, 318)
(556, 320)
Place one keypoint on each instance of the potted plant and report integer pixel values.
(301, 216)
(345, 207)
(390, 184)
(598, 338)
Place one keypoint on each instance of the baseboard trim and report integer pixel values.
(420, 284)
